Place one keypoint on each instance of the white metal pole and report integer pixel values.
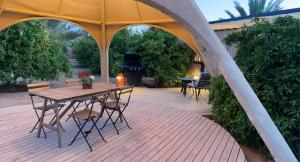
(188, 13)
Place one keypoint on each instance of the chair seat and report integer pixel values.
(49, 107)
(84, 114)
(112, 104)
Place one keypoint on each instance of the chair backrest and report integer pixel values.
(73, 82)
(117, 95)
(204, 80)
(35, 87)
(102, 98)
(125, 91)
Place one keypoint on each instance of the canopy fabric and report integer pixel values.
(101, 18)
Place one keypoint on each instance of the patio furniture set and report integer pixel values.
(110, 97)
(195, 84)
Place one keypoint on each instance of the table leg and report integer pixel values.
(64, 112)
(181, 87)
(42, 118)
(184, 89)
(58, 126)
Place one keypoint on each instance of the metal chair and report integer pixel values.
(203, 83)
(39, 87)
(87, 115)
(79, 101)
(119, 106)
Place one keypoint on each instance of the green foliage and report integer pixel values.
(269, 56)
(256, 7)
(124, 42)
(164, 56)
(87, 53)
(29, 52)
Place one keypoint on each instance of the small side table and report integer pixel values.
(184, 83)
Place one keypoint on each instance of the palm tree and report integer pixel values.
(256, 7)
(63, 31)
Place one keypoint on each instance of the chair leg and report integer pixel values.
(196, 94)
(36, 124)
(95, 125)
(83, 134)
(109, 118)
(122, 116)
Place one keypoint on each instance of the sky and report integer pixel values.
(215, 9)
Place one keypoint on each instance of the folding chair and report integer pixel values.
(87, 115)
(79, 101)
(119, 106)
(203, 83)
(39, 87)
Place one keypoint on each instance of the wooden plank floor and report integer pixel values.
(159, 133)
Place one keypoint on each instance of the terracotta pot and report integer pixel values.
(87, 86)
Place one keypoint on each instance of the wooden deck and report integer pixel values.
(159, 133)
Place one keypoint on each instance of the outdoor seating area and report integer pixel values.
(149, 80)
(159, 133)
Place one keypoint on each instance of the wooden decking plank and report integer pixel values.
(218, 153)
(147, 126)
(200, 144)
(241, 156)
(54, 144)
(164, 138)
(170, 146)
(214, 146)
(193, 145)
(82, 144)
(203, 151)
(188, 142)
(227, 150)
(235, 152)
(118, 139)
(152, 134)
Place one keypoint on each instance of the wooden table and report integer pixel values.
(184, 82)
(59, 95)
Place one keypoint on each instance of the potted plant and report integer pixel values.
(87, 82)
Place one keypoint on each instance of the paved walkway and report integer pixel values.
(163, 96)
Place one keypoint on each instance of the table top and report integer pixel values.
(187, 79)
(73, 92)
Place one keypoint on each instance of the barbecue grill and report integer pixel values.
(133, 69)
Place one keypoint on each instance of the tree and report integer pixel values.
(28, 52)
(65, 32)
(256, 7)
(87, 53)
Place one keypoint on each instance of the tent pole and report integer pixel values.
(104, 55)
(189, 14)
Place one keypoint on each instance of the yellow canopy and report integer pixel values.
(101, 18)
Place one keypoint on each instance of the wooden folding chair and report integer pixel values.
(118, 105)
(79, 101)
(87, 115)
(39, 87)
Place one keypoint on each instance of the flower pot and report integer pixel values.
(87, 86)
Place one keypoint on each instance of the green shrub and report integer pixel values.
(29, 52)
(165, 57)
(269, 56)
(87, 53)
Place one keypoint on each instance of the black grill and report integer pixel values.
(133, 69)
